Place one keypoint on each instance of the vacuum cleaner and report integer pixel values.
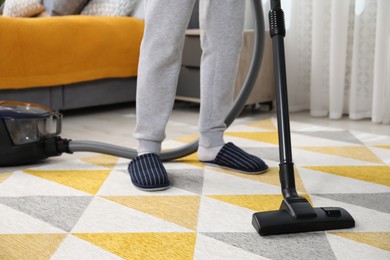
(29, 133)
(295, 213)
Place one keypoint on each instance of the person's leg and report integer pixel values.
(159, 66)
(222, 24)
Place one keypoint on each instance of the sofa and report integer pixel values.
(76, 61)
(72, 61)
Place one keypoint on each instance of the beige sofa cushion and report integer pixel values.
(109, 7)
(64, 7)
(22, 8)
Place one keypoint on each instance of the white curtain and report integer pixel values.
(338, 57)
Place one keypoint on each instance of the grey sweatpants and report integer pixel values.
(221, 24)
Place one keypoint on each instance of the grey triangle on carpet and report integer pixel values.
(187, 179)
(59, 211)
(313, 245)
(267, 153)
(343, 136)
(375, 201)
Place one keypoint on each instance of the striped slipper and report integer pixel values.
(234, 158)
(148, 173)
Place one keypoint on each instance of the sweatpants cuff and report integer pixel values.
(211, 139)
(146, 146)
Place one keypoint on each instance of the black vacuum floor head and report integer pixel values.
(282, 222)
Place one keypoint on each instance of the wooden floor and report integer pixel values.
(115, 124)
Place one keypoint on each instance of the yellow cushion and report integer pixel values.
(37, 52)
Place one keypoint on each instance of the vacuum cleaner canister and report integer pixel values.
(28, 133)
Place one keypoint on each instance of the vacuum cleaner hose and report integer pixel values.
(257, 57)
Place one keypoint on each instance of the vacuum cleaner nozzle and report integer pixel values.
(287, 220)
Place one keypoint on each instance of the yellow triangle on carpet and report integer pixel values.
(265, 137)
(181, 210)
(29, 246)
(4, 176)
(361, 153)
(265, 124)
(103, 160)
(270, 177)
(85, 180)
(254, 202)
(375, 174)
(145, 245)
(191, 159)
(383, 146)
(377, 239)
(187, 139)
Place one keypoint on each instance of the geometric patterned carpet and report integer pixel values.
(84, 207)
